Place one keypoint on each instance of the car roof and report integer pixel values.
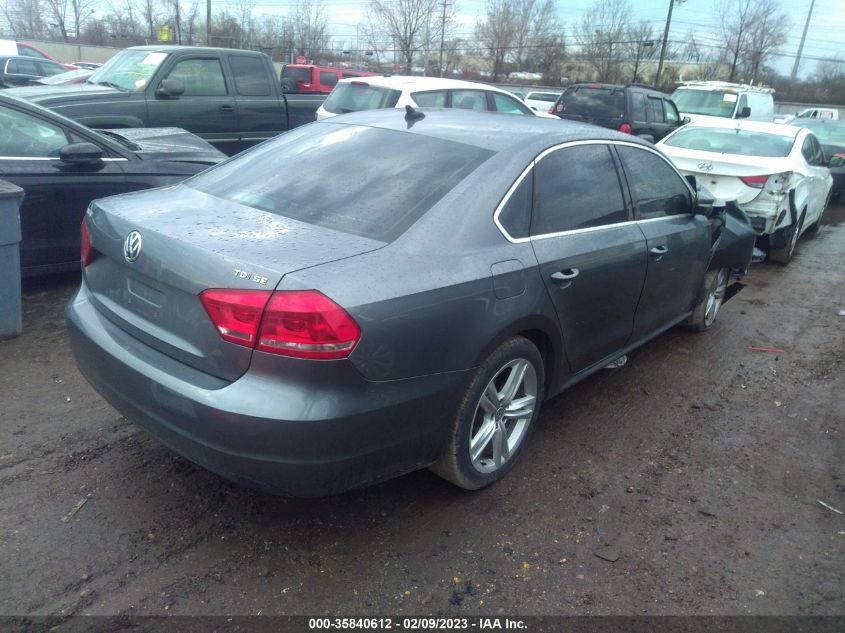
(35, 59)
(408, 82)
(165, 48)
(778, 129)
(493, 131)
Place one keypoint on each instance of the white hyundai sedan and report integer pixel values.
(778, 174)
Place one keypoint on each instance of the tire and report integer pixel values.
(474, 457)
(704, 314)
(783, 255)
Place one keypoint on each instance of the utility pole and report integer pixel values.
(208, 22)
(665, 39)
(801, 45)
(442, 35)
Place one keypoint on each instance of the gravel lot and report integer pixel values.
(687, 482)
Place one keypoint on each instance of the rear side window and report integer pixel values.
(328, 78)
(330, 185)
(250, 76)
(576, 188)
(352, 97)
(656, 189)
(592, 102)
(469, 100)
(655, 109)
(430, 99)
(672, 115)
(26, 51)
(638, 106)
(48, 68)
(515, 216)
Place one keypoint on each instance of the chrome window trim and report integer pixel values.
(560, 146)
(43, 158)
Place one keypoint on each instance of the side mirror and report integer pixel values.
(706, 203)
(685, 120)
(744, 113)
(837, 160)
(170, 89)
(81, 154)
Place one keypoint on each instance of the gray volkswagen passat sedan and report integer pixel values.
(383, 292)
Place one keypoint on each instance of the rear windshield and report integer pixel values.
(362, 180)
(296, 76)
(352, 97)
(705, 102)
(828, 132)
(592, 102)
(731, 141)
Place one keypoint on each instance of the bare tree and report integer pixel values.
(57, 14)
(81, 9)
(150, 13)
(602, 36)
(750, 29)
(25, 17)
(496, 33)
(191, 22)
(407, 23)
(641, 45)
(310, 28)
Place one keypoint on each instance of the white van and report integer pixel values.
(701, 100)
(830, 114)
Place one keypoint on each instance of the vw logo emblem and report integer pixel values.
(132, 246)
(705, 166)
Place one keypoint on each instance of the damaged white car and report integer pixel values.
(779, 176)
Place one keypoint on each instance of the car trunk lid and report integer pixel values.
(198, 242)
(722, 174)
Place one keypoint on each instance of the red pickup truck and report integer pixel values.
(310, 78)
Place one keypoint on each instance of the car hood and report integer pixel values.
(67, 93)
(169, 143)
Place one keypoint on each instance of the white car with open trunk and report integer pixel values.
(778, 174)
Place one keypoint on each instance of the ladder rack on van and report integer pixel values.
(725, 85)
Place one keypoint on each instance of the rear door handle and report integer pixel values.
(227, 108)
(565, 275)
(659, 250)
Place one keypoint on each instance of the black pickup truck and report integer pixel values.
(231, 98)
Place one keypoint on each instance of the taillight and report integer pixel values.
(625, 128)
(236, 313)
(307, 324)
(299, 323)
(552, 109)
(87, 253)
(758, 182)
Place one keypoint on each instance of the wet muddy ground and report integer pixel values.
(687, 482)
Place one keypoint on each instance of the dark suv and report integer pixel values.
(633, 109)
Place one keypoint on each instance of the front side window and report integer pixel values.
(430, 99)
(250, 76)
(671, 112)
(576, 188)
(469, 100)
(201, 77)
(22, 67)
(504, 103)
(26, 136)
(657, 190)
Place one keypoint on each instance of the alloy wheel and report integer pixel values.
(716, 297)
(503, 415)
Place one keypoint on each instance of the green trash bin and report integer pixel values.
(11, 197)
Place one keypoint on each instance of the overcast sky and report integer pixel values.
(825, 39)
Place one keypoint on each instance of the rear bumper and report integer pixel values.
(321, 431)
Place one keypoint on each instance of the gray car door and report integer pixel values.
(592, 258)
(678, 241)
